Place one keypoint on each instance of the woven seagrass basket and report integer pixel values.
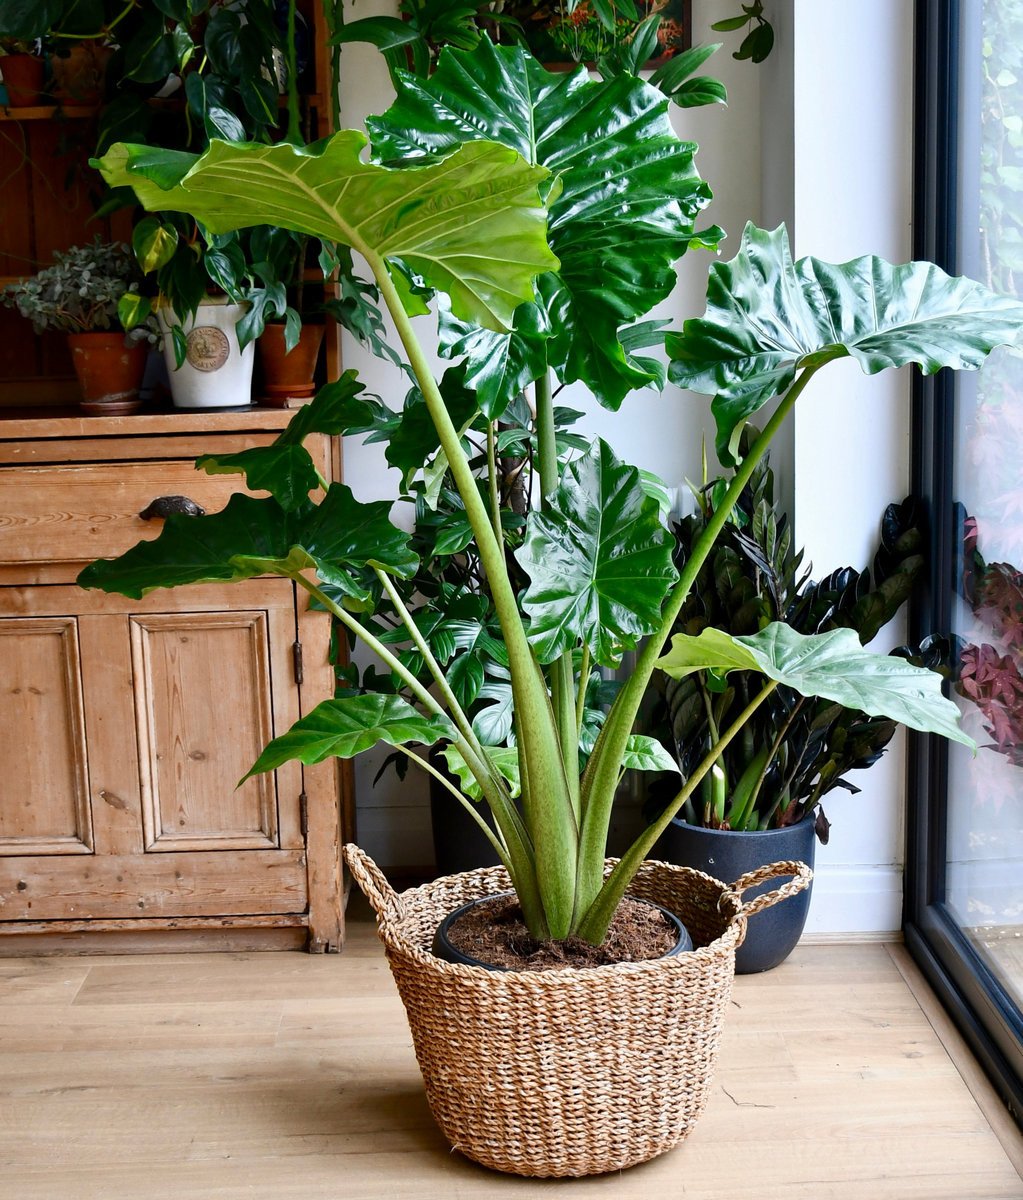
(573, 1072)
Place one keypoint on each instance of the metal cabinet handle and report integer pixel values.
(163, 506)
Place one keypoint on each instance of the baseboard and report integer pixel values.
(873, 936)
(856, 901)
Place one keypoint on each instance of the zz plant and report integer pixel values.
(541, 215)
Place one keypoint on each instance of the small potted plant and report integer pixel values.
(762, 800)
(550, 245)
(211, 304)
(81, 295)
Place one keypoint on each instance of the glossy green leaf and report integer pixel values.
(286, 472)
(334, 410)
(767, 317)
(154, 243)
(442, 219)
(598, 561)
(349, 725)
(644, 753)
(630, 192)
(498, 365)
(504, 758)
(833, 665)
(386, 33)
(253, 537)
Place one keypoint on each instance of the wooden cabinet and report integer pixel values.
(125, 726)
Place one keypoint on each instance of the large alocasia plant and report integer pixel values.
(543, 213)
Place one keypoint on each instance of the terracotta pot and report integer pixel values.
(23, 78)
(109, 372)
(80, 77)
(288, 376)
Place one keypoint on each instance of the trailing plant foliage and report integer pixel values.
(81, 292)
(795, 749)
(526, 238)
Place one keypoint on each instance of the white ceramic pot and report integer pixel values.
(216, 372)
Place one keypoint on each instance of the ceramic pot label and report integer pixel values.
(208, 348)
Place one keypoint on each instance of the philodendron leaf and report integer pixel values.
(253, 537)
(644, 753)
(598, 560)
(443, 220)
(286, 472)
(833, 665)
(504, 758)
(625, 213)
(345, 727)
(767, 317)
(334, 410)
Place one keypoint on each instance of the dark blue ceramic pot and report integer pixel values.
(443, 948)
(725, 855)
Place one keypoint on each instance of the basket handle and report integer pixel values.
(801, 877)
(370, 879)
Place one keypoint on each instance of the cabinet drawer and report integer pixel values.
(78, 513)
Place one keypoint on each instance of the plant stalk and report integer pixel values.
(601, 774)
(561, 671)
(550, 818)
(595, 923)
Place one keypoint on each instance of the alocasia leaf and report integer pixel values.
(442, 219)
(833, 665)
(598, 560)
(253, 537)
(629, 192)
(767, 317)
(345, 727)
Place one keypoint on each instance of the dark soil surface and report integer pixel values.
(495, 933)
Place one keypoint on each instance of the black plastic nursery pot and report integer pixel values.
(444, 948)
(727, 854)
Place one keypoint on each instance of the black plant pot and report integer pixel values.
(443, 948)
(458, 842)
(725, 855)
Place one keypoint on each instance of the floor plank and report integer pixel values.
(292, 1077)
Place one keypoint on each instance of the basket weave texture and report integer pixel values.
(572, 1072)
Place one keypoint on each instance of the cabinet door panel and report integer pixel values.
(45, 807)
(203, 708)
(181, 691)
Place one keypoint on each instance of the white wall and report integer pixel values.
(819, 136)
(837, 155)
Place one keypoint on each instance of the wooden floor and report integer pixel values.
(292, 1076)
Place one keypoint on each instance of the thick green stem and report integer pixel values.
(505, 813)
(561, 672)
(492, 484)
(550, 817)
(597, 918)
(601, 775)
(580, 700)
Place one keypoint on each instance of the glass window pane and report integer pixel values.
(984, 881)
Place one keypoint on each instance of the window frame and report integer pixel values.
(978, 1003)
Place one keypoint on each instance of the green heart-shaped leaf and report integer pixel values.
(598, 560)
(767, 317)
(442, 219)
(345, 727)
(833, 665)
